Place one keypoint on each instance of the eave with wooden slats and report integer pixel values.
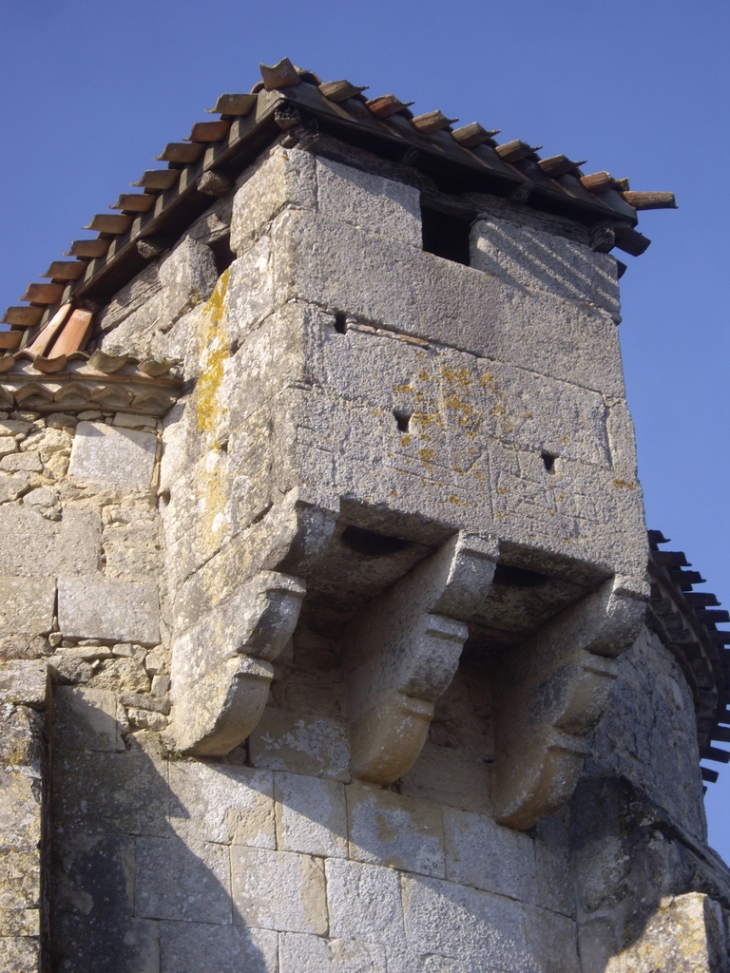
(687, 623)
(293, 106)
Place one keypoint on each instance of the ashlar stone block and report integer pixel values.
(538, 261)
(183, 880)
(301, 744)
(484, 855)
(310, 815)
(223, 803)
(278, 890)
(26, 605)
(91, 607)
(480, 930)
(286, 178)
(389, 829)
(86, 719)
(391, 209)
(122, 457)
(686, 934)
(310, 954)
(190, 947)
(364, 902)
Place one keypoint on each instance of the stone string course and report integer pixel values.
(120, 533)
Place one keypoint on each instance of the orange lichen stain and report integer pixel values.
(424, 376)
(479, 475)
(498, 515)
(502, 491)
(617, 484)
(551, 513)
(498, 409)
(508, 429)
(393, 493)
(528, 415)
(564, 440)
(213, 354)
(426, 454)
(405, 440)
(401, 388)
(455, 500)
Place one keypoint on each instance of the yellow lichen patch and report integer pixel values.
(426, 454)
(498, 409)
(213, 354)
(628, 484)
(405, 440)
(424, 376)
(402, 388)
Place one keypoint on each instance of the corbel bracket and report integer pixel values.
(405, 648)
(222, 665)
(551, 693)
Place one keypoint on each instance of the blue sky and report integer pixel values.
(92, 90)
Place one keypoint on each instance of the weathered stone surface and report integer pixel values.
(310, 815)
(26, 605)
(21, 462)
(486, 856)
(123, 457)
(20, 953)
(478, 929)
(95, 873)
(20, 809)
(278, 890)
(285, 178)
(534, 260)
(364, 902)
(388, 829)
(686, 934)
(649, 733)
(187, 881)
(106, 942)
(33, 546)
(553, 941)
(115, 610)
(222, 803)
(555, 887)
(24, 681)
(310, 954)
(86, 719)
(20, 882)
(301, 744)
(439, 300)
(124, 792)
(370, 202)
(190, 947)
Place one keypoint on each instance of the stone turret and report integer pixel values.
(331, 552)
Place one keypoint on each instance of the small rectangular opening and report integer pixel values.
(446, 235)
(222, 253)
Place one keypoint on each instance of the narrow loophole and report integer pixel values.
(340, 322)
(402, 421)
(549, 461)
(371, 544)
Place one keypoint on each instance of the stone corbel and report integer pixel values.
(405, 646)
(221, 667)
(550, 694)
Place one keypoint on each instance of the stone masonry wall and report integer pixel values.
(118, 532)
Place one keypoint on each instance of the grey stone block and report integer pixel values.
(33, 546)
(553, 941)
(301, 744)
(96, 873)
(388, 829)
(187, 881)
(26, 605)
(438, 300)
(310, 815)
(278, 890)
(484, 855)
(191, 947)
(382, 206)
(24, 681)
(106, 943)
(123, 457)
(538, 261)
(284, 178)
(552, 860)
(364, 902)
(115, 610)
(223, 803)
(21, 954)
(480, 930)
(310, 954)
(21, 462)
(86, 719)
(122, 792)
